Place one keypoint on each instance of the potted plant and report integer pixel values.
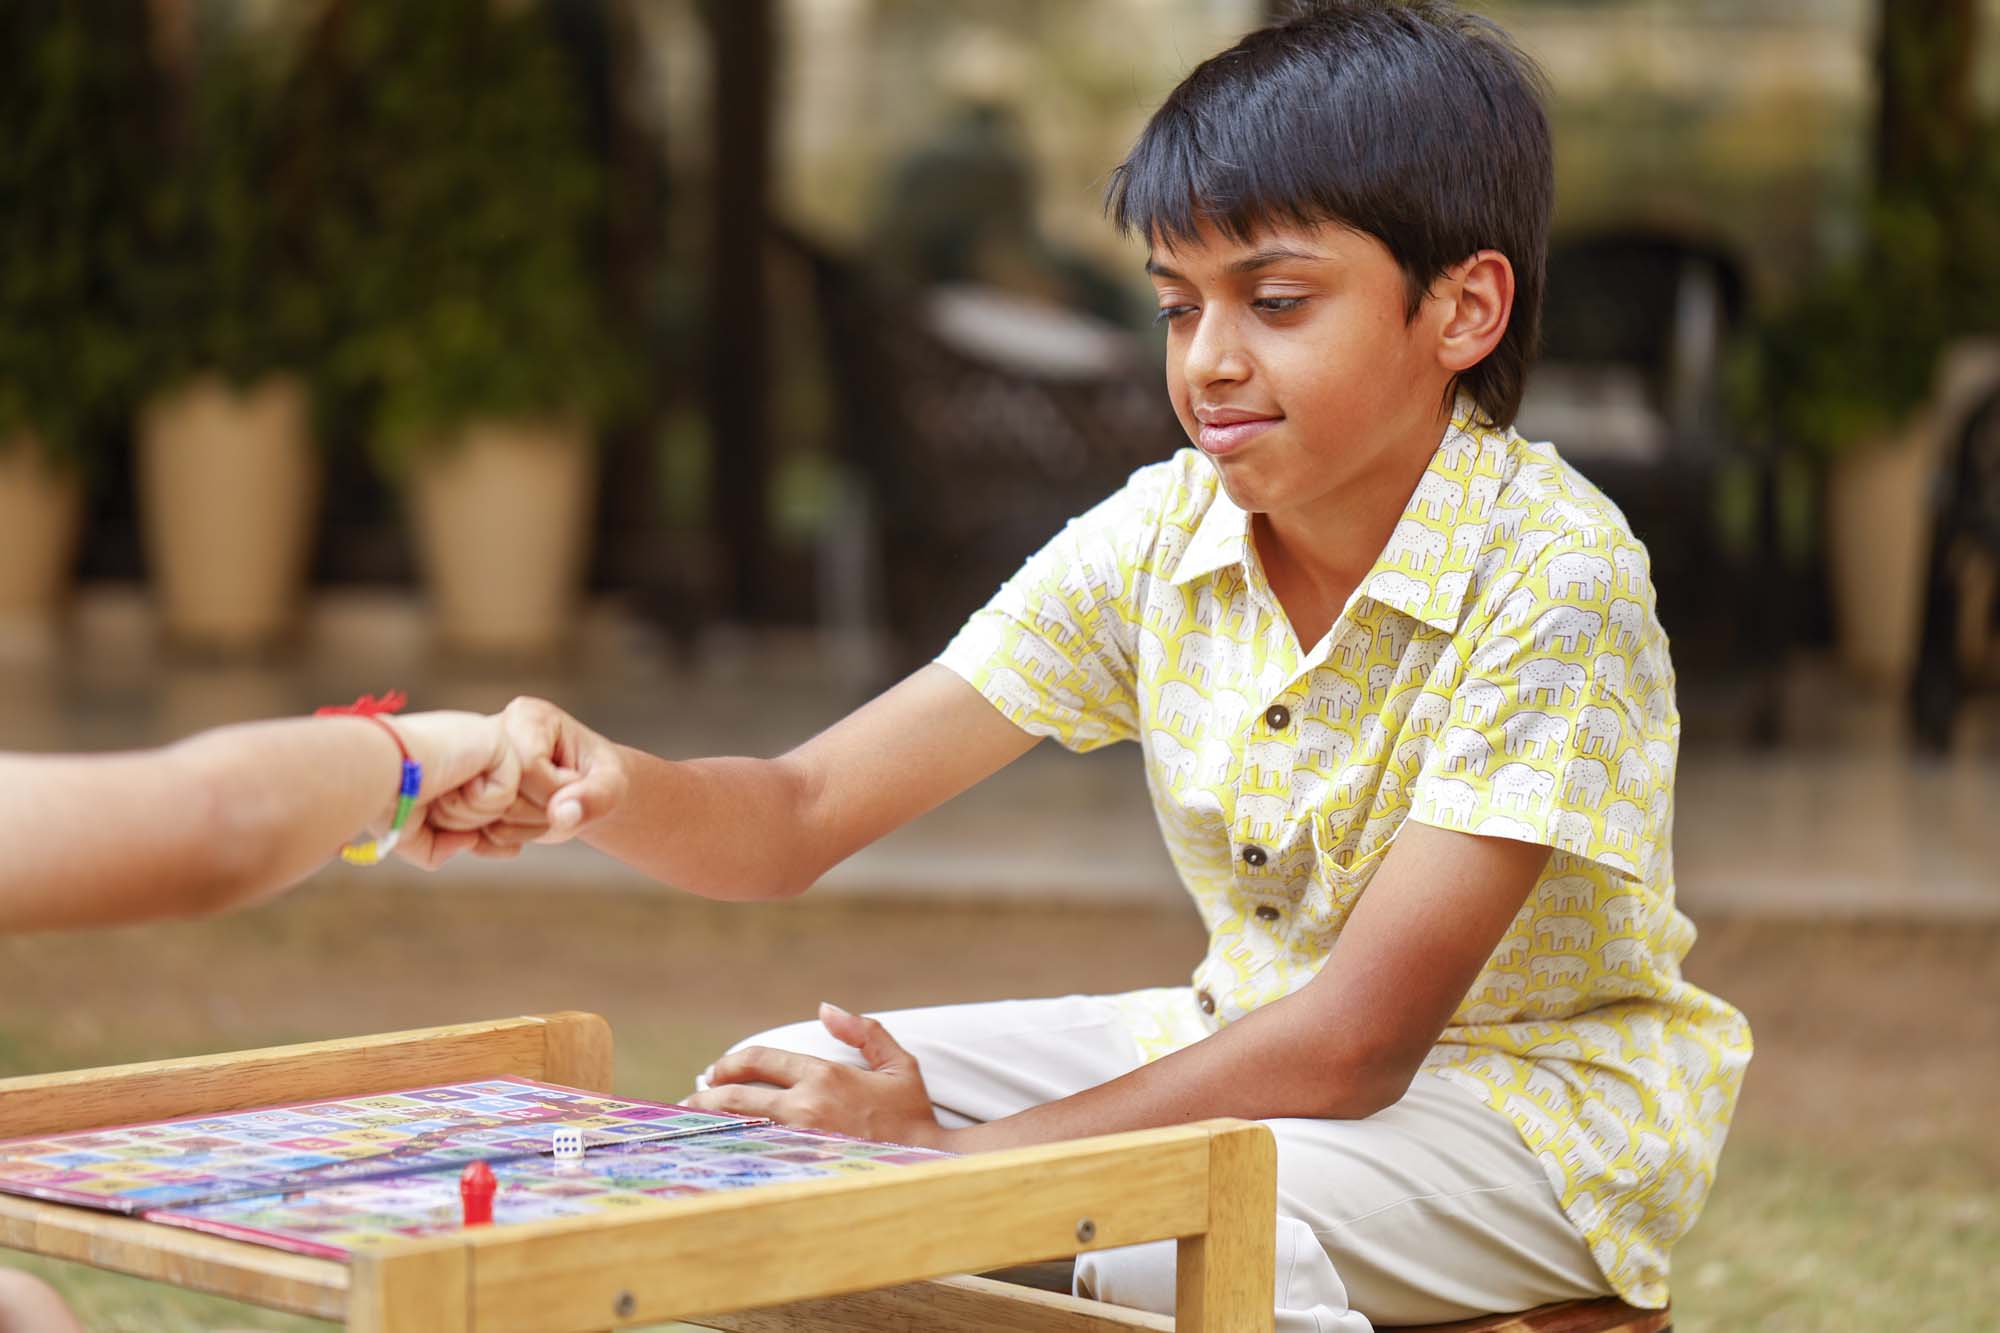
(76, 97)
(230, 317)
(465, 218)
(1847, 372)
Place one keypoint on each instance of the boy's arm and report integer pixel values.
(1344, 1046)
(745, 829)
(225, 817)
(1348, 1043)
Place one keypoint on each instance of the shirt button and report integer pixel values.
(1206, 1001)
(1277, 717)
(1267, 913)
(1254, 855)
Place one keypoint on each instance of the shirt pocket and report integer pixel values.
(1340, 873)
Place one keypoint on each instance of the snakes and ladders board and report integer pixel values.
(142, 1169)
(335, 1221)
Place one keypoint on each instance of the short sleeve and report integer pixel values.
(1562, 729)
(1054, 648)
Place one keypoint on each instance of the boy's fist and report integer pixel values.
(571, 777)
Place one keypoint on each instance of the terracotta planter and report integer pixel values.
(1878, 547)
(502, 515)
(41, 507)
(229, 487)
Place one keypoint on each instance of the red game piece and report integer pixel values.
(475, 1188)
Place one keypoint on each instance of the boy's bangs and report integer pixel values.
(1177, 181)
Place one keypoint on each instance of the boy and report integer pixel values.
(1407, 713)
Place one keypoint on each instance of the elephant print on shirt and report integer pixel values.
(1534, 733)
(1549, 680)
(1599, 730)
(1415, 546)
(1566, 627)
(1576, 574)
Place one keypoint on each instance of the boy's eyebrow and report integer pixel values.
(1248, 264)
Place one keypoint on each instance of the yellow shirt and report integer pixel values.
(1500, 671)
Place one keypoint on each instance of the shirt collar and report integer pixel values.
(1221, 539)
(1450, 514)
(1443, 503)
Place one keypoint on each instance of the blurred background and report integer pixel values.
(701, 365)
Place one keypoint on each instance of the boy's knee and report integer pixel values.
(1138, 1277)
(1307, 1292)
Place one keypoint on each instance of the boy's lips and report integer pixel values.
(1226, 434)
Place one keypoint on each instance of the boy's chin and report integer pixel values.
(1243, 482)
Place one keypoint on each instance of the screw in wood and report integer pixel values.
(626, 1305)
(1086, 1231)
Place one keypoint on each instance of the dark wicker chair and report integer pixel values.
(1967, 525)
(971, 464)
(1652, 315)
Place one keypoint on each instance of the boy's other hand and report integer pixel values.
(886, 1101)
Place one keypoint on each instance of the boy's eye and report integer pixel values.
(1278, 305)
(1169, 313)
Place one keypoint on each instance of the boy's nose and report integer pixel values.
(1214, 354)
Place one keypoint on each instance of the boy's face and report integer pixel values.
(1293, 368)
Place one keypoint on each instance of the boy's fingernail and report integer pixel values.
(567, 813)
(829, 1004)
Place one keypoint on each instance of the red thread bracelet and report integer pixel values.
(372, 708)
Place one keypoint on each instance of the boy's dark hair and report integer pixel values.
(1413, 122)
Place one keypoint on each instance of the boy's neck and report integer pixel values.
(1314, 555)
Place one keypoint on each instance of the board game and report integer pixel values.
(847, 1232)
(329, 1178)
(336, 1220)
(138, 1169)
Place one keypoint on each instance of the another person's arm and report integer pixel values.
(740, 828)
(30, 1305)
(229, 816)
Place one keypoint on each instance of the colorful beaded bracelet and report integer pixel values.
(374, 850)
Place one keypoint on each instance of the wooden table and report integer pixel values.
(848, 1254)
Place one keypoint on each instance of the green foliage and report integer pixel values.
(78, 102)
(225, 285)
(437, 167)
(1972, 273)
(1857, 351)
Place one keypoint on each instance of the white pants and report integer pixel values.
(1428, 1211)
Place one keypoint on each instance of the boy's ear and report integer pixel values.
(1478, 297)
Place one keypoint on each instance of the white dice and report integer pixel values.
(568, 1144)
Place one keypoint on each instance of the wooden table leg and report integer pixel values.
(1225, 1277)
(414, 1290)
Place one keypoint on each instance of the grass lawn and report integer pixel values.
(1860, 1189)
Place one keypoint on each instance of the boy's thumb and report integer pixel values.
(577, 805)
(866, 1035)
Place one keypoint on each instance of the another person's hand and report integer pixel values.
(472, 777)
(886, 1101)
(571, 778)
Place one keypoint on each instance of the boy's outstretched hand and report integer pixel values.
(570, 778)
